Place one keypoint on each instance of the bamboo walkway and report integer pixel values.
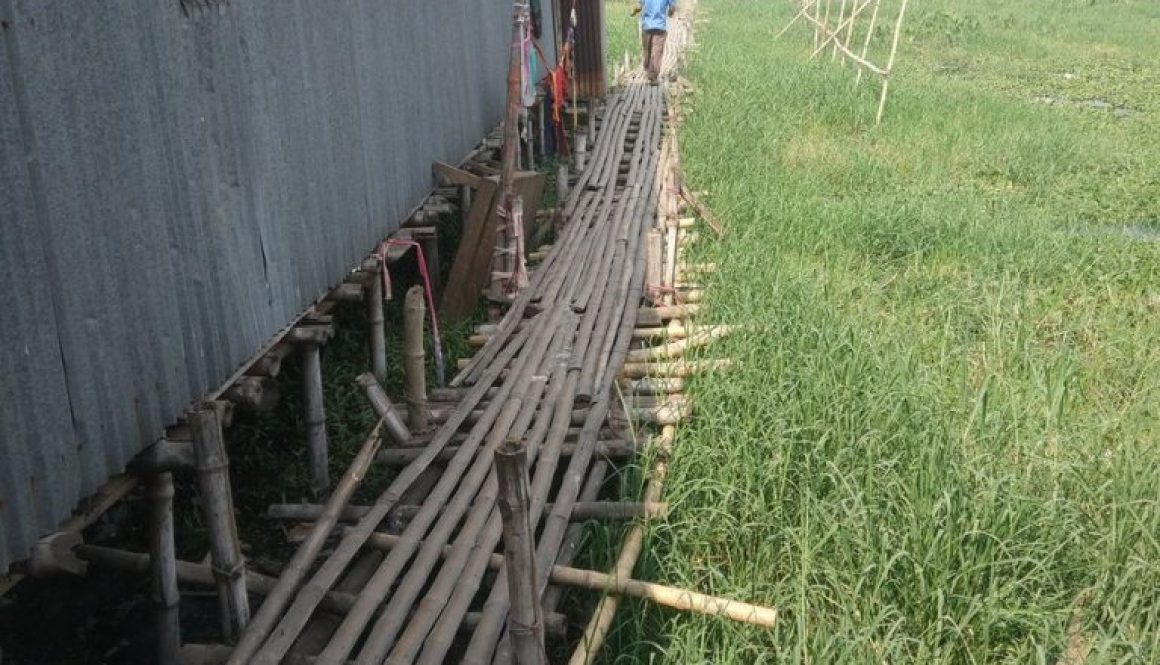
(413, 578)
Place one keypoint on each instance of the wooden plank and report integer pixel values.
(464, 283)
(457, 176)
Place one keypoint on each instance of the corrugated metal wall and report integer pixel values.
(177, 188)
(590, 81)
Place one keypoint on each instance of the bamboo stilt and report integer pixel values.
(526, 615)
(163, 559)
(315, 416)
(841, 23)
(377, 326)
(218, 503)
(414, 367)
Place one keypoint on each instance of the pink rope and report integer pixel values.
(381, 254)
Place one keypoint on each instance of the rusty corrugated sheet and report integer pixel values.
(178, 184)
(590, 81)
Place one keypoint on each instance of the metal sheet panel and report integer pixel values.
(176, 188)
(590, 81)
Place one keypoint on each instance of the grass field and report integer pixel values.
(941, 445)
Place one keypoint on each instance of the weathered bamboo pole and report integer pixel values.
(601, 621)
(304, 557)
(655, 316)
(444, 591)
(890, 63)
(316, 442)
(677, 348)
(377, 322)
(854, 56)
(377, 397)
(506, 412)
(806, 6)
(617, 449)
(869, 36)
(841, 24)
(414, 313)
(678, 369)
(656, 248)
(526, 616)
(834, 39)
(200, 574)
(218, 503)
(163, 558)
(668, 596)
(581, 512)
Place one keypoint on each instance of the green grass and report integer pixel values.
(623, 34)
(941, 442)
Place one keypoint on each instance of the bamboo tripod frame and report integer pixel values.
(827, 34)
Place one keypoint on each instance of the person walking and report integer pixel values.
(654, 23)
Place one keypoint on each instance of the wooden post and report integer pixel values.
(315, 416)
(526, 625)
(218, 502)
(163, 560)
(591, 107)
(414, 368)
(376, 318)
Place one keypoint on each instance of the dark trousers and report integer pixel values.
(654, 52)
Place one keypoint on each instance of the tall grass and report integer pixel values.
(941, 444)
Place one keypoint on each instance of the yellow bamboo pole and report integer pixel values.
(890, 62)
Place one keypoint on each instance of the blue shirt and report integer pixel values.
(655, 15)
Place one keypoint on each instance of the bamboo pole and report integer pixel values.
(601, 621)
(218, 504)
(617, 449)
(677, 348)
(655, 248)
(890, 63)
(581, 512)
(163, 558)
(526, 616)
(834, 38)
(377, 397)
(296, 570)
(377, 322)
(660, 594)
(679, 369)
(854, 56)
(841, 23)
(806, 7)
(415, 368)
(869, 36)
(655, 316)
(317, 444)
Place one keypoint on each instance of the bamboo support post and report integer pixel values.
(655, 248)
(841, 23)
(890, 62)
(218, 504)
(315, 416)
(163, 561)
(526, 616)
(376, 318)
(561, 182)
(869, 36)
(414, 367)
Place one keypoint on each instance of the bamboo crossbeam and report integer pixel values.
(862, 62)
(678, 369)
(618, 449)
(581, 512)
